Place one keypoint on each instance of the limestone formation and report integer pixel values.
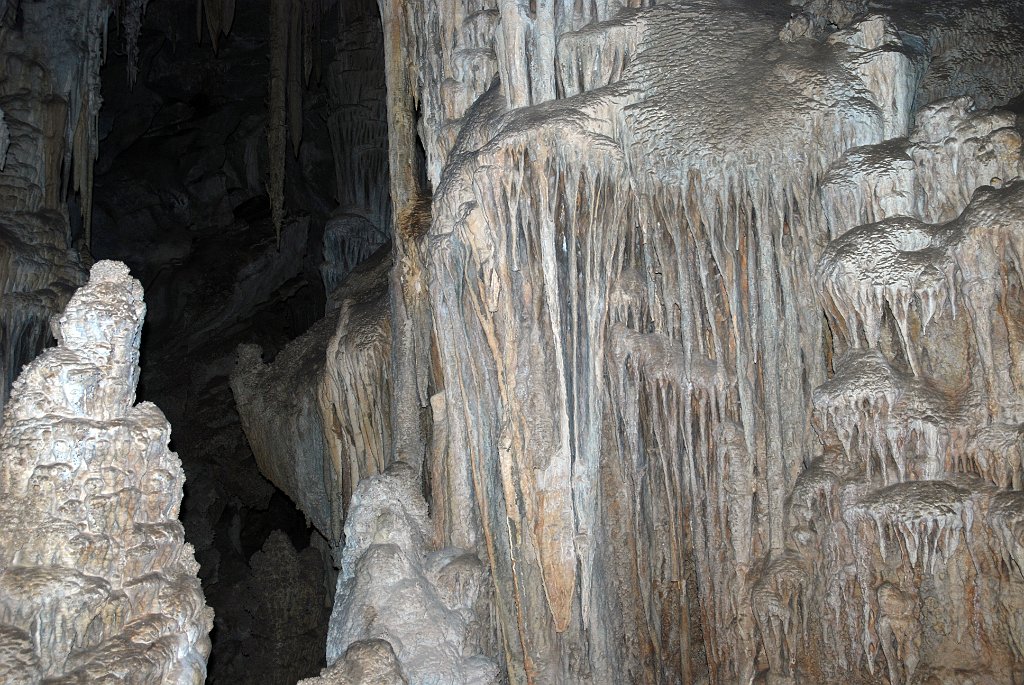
(642, 420)
(365, 662)
(317, 417)
(96, 581)
(713, 340)
(425, 604)
(695, 356)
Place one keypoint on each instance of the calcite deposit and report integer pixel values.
(426, 604)
(664, 342)
(96, 581)
(706, 321)
(318, 417)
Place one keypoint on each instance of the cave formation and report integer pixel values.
(512, 342)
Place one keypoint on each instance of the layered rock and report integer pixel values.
(96, 580)
(897, 531)
(317, 417)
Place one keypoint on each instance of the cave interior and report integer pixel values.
(489, 341)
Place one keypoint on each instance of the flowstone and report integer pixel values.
(425, 604)
(96, 581)
(705, 339)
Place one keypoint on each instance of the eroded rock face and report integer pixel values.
(96, 580)
(633, 380)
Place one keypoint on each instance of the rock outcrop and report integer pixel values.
(704, 336)
(318, 417)
(96, 580)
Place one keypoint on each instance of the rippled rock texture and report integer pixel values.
(665, 406)
(705, 339)
(96, 580)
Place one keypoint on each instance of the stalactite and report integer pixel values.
(5, 140)
(134, 12)
(293, 95)
(220, 15)
(280, 26)
(294, 29)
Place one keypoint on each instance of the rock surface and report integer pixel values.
(96, 580)
(318, 416)
(631, 380)
(706, 315)
(695, 357)
(425, 605)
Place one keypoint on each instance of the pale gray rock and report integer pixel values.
(365, 662)
(392, 587)
(96, 580)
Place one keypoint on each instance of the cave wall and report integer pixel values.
(642, 333)
(704, 339)
(52, 52)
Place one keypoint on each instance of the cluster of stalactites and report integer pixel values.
(132, 13)
(294, 44)
(294, 57)
(905, 505)
(220, 15)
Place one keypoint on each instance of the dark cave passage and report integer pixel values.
(181, 196)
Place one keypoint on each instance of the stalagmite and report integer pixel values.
(424, 603)
(96, 581)
(365, 662)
